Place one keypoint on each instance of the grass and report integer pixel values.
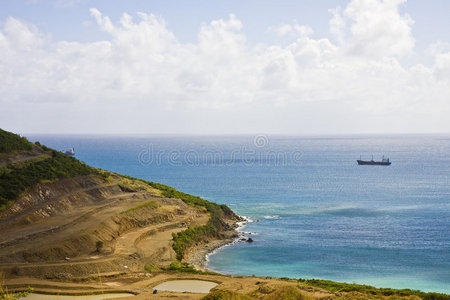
(5, 294)
(151, 204)
(367, 289)
(152, 268)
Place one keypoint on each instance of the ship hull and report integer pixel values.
(373, 163)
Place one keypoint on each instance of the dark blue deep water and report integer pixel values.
(317, 213)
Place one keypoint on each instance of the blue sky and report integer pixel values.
(67, 19)
(215, 67)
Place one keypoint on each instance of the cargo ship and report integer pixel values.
(384, 162)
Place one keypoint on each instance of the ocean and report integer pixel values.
(315, 213)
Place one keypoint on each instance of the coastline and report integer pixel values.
(198, 257)
(141, 219)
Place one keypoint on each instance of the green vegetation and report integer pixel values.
(275, 293)
(152, 204)
(185, 267)
(287, 293)
(225, 295)
(16, 178)
(367, 289)
(170, 192)
(152, 268)
(12, 142)
(185, 239)
(6, 295)
(130, 186)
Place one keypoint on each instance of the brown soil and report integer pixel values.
(52, 231)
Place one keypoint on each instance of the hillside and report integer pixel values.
(10, 142)
(68, 228)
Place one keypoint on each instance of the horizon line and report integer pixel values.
(242, 134)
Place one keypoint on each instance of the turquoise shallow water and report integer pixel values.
(317, 213)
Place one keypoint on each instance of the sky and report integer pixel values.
(225, 67)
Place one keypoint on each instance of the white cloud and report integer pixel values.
(376, 28)
(441, 52)
(20, 36)
(442, 66)
(337, 24)
(142, 79)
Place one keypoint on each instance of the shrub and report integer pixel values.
(19, 177)
(12, 142)
(99, 246)
(184, 267)
(185, 239)
(177, 266)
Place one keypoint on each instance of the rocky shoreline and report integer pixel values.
(198, 256)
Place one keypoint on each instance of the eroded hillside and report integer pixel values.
(64, 219)
(91, 225)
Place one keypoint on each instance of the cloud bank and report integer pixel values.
(143, 80)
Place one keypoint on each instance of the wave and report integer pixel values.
(276, 217)
(242, 224)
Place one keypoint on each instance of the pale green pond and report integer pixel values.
(191, 286)
(85, 297)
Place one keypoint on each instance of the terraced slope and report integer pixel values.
(63, 219)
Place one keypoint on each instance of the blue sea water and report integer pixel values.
(316, 213)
